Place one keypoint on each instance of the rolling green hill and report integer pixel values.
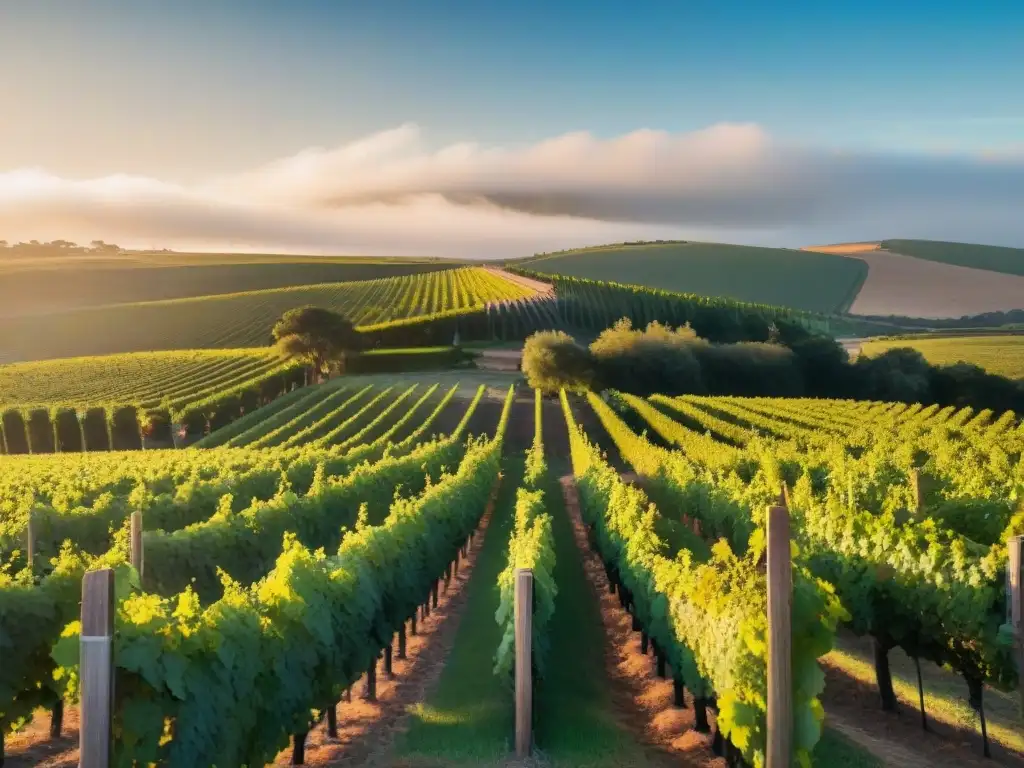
(798, 279)
(991, 257)
(244, 319)
(55, 283)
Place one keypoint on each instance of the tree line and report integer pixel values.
(791, 363)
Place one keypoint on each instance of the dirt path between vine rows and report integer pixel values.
(852, 708)
(367, 730)
(644, 701)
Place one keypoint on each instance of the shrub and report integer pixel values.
(67, 430)
(552, 360)
(898, 374)
(40, 431)
(657, 359)
(966, 384)
(156, 429)
(249, 399)
(125, 431)
(275, 385)
(224, 411)
(193, 423)
(824, 366)
(96, 429)
(15, 433)
(750, 368)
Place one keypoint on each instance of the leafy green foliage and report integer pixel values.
(710, 617)
(274, 652)
(316, 336)
(531, 546)
(926, 574)
(553, 361)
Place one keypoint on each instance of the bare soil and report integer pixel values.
(500, 359)
(545, 289)
(903, 285)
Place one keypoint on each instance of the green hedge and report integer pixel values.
(40, 431)
(67, 431)
(96, 429)
(156, 430)
(125, 431)
(15, 433)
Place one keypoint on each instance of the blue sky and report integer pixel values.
(234, 82)
(179, 91)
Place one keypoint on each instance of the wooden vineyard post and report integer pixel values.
(1015, 603)
(137, 557)
(780, 673)
(299, 748)
(332, 720)
(370, 691)
(401, 641)
(30, 544)
(524, 660)
(915, 488)
(388, 674)
(97, 668)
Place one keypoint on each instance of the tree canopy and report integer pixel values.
(316, 336)
(552, 360)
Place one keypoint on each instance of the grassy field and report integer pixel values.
(242, 319)
(990, 257)
(34, 285)
(798, 279)
(997, 354)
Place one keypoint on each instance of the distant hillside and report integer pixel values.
(991, 257)
(803, 280)
(246, 319)
(61, 282)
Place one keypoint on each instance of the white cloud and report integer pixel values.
(389, 193)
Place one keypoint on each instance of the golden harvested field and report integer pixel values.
(997, 354)
(903, 285)
(843, 248)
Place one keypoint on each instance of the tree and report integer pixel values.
(656, 359)
(317, 337)
(552, 360)
(900, 374)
